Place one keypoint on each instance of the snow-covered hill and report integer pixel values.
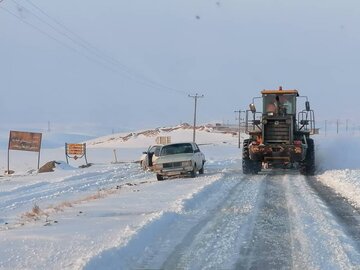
(128, 146)
(207, 134)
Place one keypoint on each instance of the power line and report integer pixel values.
(92, 49)
(52, 27)
(85, 43)
(51, 37)
(104, 60)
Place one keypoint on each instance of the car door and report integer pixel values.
(197, 156)
(150, 155)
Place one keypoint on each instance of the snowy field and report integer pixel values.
(116, 216)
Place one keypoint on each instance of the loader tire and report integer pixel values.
(249, 166)
(307, 167)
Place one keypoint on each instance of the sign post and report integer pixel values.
(24, 141)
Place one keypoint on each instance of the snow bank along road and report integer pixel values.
(222, 220)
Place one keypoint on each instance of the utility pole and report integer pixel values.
(239, 111)
(337, 126)
(195, 98)
(347, 125)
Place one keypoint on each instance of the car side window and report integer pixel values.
(196, 149)
(157, 151)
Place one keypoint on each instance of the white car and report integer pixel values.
(178, 159)
(147, 159)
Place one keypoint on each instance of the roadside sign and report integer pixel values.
(75, 151)
(163, 139)
(24, 141)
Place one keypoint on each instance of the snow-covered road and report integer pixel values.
(117, 216)
(261, 222)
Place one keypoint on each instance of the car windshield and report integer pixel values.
(174, 149)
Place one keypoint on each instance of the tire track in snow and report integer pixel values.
(214, 242)
(259, 222)
(171, 231)
(319, 241)
(268, 242)
(345, 213)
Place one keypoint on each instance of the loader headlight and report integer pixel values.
(187, 163)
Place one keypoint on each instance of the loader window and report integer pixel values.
(287, 104)
(279, 104)
(270, 104)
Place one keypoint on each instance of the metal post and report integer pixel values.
(194, 127)
(8, 164)
(66, 154)
(39, 161)
(85, 153)
(194, 130)
(39, 151)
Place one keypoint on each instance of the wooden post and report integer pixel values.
(116, 160)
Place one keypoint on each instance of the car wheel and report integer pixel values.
(193, 172)
(159, 177)
(201, 171)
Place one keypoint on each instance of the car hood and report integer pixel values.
(174, 158)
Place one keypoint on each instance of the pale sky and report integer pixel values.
(228, 50)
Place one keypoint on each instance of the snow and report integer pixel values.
(117, 216)
(338, 163)
(98, 207)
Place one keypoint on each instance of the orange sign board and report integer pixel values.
(25, 141)
(163, 139)
(75, 149)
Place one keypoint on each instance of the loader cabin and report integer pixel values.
(279, 102)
